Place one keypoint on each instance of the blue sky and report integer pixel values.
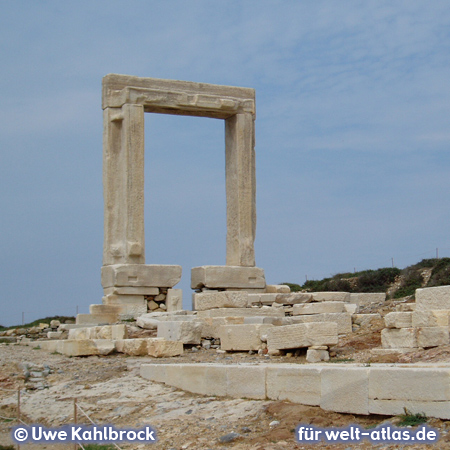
(352, 137)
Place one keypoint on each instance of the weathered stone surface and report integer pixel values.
(77, 347)
(242, 337)
(186, 332)
(174, 300)
(399, 338)
(318, 308)
(261, 299)
(102, 332)
(396, 407)
(436, 318)
(246, 381)
(398, 320)
(54, 334)
(220, 277)
(128, 305)
(301, 335)
(153, 275)
(432, 336)
(409, 383)
(433, 298)
(131, 290)
(105, 346)
(350, 308)
(345, 390)
(242, 312)
(96, 319)
(315, 356)
(104, 309)
(55, 323)
(331, 297)
(278, 289)
(294, 382)
(294, 298)
(364, 299)
(343, 320)
(161, 348)
(148, 323)
(365, 320)
(132, 347)
(211, 325)
(224, 299)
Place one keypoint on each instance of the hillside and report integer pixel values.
(396, 283)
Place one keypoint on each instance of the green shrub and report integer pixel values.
(411, 420)
(294, 287)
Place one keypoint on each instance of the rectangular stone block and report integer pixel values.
(224, 299)
(211, 325)
(153, 372)
(331, 297)
(409, 383)
(132, 347)
(301, 335)
(131, 290)
(398, 320)
(432, 318)
(160, 348)
(221, 277)
(148, 275)
(261, 298)
(318, 308)
(186, 332)
(242, 312)
(296, 383)
(399, 338)
(433, 298)
(440, 410)
(432, 336)
(294, 298)
(174, 300)
(246, 381)
(84, 347)
(343, 320)
(278, 289)
(364, 299)
(96, 319)
(118, 331)
(261, 320)
(128, 305)
(345, 389)
(242, 337)
(350, 308)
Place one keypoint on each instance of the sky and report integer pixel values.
(352, 138)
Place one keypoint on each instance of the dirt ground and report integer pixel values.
(110, 391)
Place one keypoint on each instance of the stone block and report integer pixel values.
(365, 299)
(409, 383)
(148, 323)
(48, 346)
(399, 338)
(350, 308)
(246, 381)
(403, 307)
(345, 389)
(79, 347)
(104, 309)
(398, 320)
(224, 299)
(186, 332)
(436, 318)
(395, 407)
(118, 331)
(174, 300)
(211, 325)
(55, 323)
(96, 319)
(343, 320)
(294, 298)
(315, 356)
(160, 348)
(242, 312)
(54, 334)
(261, 298)
(260, 320)
(433, 298)
(242, 337)
(278, 289)
(331, 297)
(432, 336)
(301, 335)
(105, 346)
(221, 277)
(131, 305)
(153, 372)
(132, 347)
(148, 275)
(131, 290)
(366, 320)
(318, 308)
(296, 383)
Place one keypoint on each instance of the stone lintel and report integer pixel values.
(149, 275)
(223, 277)
(177, 97)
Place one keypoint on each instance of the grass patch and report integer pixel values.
(409, 419)
(7, 447)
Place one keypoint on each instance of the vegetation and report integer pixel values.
(411, 420)
(35, 323)
(7, 447)
(98, 447)
(383, 279)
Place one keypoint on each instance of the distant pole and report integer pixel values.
(23, 318)
(77, 310)
(437, 253)
(392, 262)
(354, 269)
(306, 276)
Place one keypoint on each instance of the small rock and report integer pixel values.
(274, 423)
(230, 437)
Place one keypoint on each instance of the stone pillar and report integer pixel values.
(241, 189)
(123, 185)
